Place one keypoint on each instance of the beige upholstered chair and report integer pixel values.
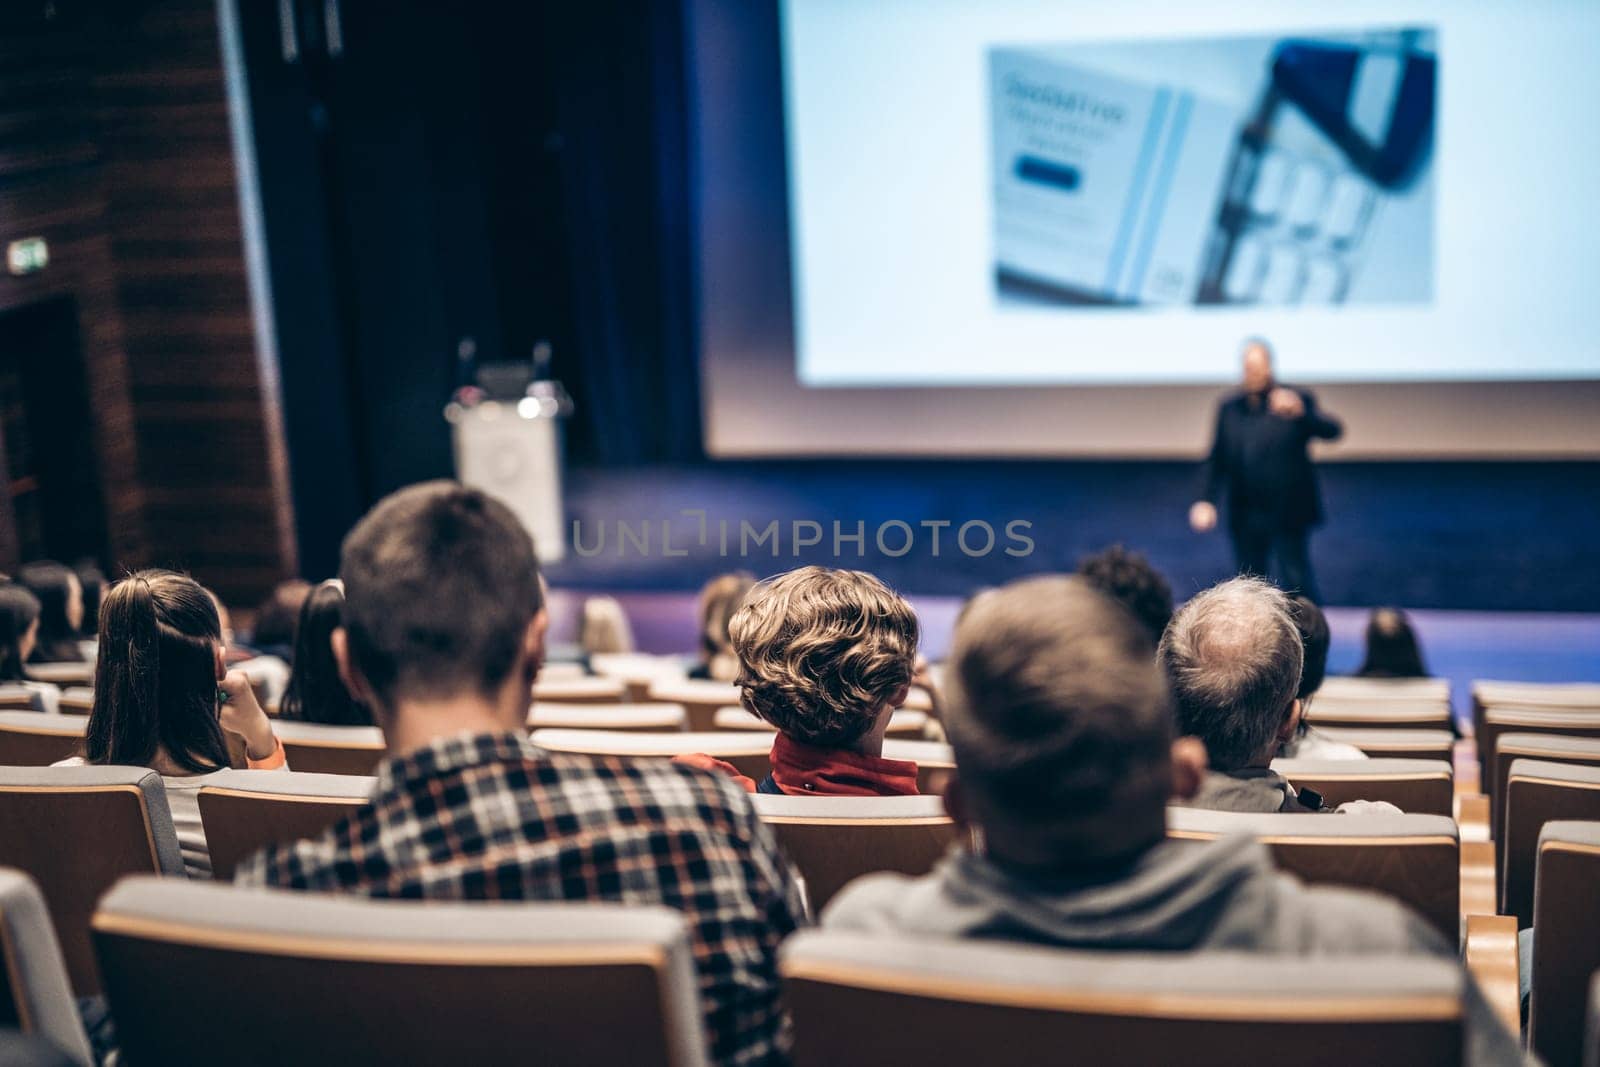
(326, 979)
(1393, 743)
(650, 718)
(700, 699)
(903, 722)
(35, 994)
(1551, 748)
(579, 691)
(834, 840)
(1566, 938)
(864, 1001)
(746, 751)
(1364, 715)
(1384, 690)
(1414, 858)
(33, 739)
(320, 749)
(75, 831)
(1416, 787)
(1537, 793)
(1497, 721)
(637, 670)
(245, 811)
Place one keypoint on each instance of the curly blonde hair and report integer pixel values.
(822, 652)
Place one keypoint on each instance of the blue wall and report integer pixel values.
(1485, 536)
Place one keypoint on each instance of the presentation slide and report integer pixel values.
(1022, 194)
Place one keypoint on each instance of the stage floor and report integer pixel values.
(1459, 645)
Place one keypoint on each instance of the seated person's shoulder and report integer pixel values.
(1340, 921)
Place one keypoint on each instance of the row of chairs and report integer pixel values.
(259, 977)
(323, 977)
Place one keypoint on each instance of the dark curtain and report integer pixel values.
(620, 92)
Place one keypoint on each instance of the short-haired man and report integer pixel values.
(443, 634)
(1234, 658)
(1065, 756)
(825, 656)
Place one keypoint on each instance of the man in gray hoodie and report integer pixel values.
(1066, 756)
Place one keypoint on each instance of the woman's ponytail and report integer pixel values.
(124, 725)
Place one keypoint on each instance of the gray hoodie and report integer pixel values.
(1222, 895)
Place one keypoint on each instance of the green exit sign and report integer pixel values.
(27, 255)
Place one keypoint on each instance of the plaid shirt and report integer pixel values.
(492, 817)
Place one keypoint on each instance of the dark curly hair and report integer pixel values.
(1128, 578)
(822, 652)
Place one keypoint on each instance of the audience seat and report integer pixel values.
(35, 995)
(33, 739)
(245, 811)
(15, 697)
(934, 759)
(832, 840)
(700, 699)
(1538, 792)
(320, 749)
(1385, 690)
(652, 718)
(562, 671)
(747, 751)
(75, 831)
(1548, 696)
(76, 700)
(637, 670)
(1413, 858)
(1416, 787)
(1388, 743)
(1566, 938)
(1551, 748)
(1499, 720)
(579, 691)
(271, 977)
(1371, 715)
(62, 673)
(903, 722)
(865, 1001)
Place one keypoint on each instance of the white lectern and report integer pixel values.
(512, 450)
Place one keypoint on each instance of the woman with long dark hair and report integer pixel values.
(19, 629)
(1392, 647)
(60, 610)
(163, 700)
(315, 692)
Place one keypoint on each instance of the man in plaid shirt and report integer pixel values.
(443, 633)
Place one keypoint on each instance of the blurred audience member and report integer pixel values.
(273, 634)
(268, 674)
(60, 610)
(719, 599)
(1128, 578)
(1392, 648)
(1308, 743)
(444, 631)
(19, 629)
(1065, 758)
(92, 582)
(825, 656)
(603, 626)
(1234, 659)
(163, 698)
(315, 692)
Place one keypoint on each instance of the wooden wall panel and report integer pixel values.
(115, 139)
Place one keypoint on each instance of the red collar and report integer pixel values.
(805, 770)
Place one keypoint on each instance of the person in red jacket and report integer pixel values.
(825, 656)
